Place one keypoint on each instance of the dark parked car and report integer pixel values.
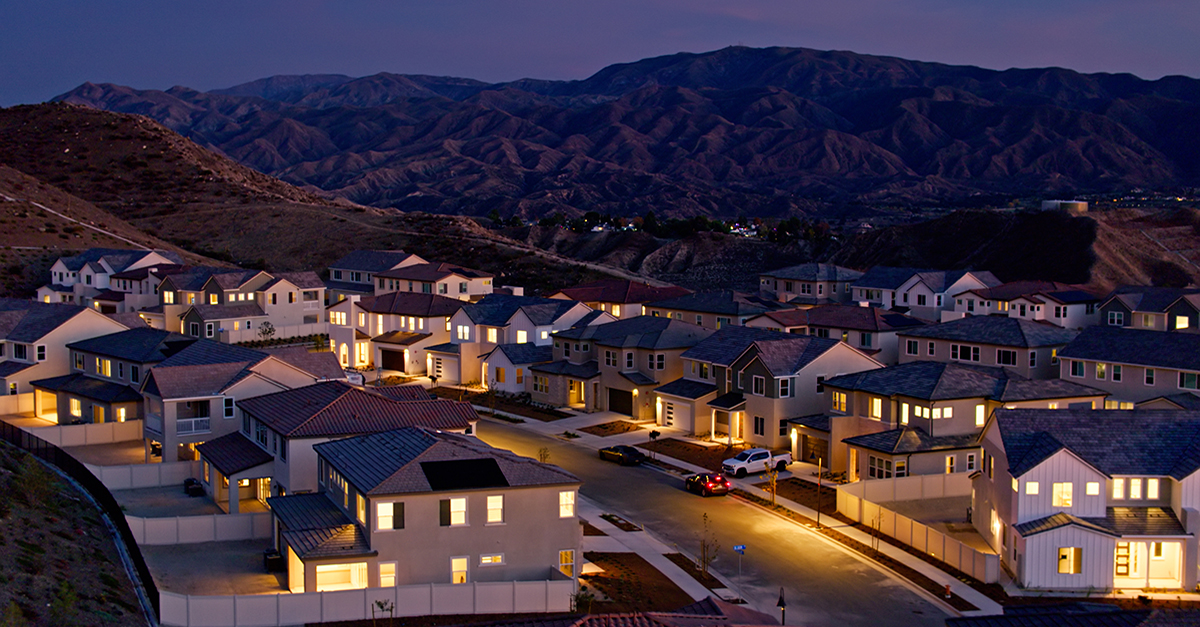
(707, 484)
(622, 454)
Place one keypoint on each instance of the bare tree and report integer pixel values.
(772, 480)
(266, 331)
(709, 546)
(544, 455)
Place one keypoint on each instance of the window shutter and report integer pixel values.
(398, 515)
(444, 512)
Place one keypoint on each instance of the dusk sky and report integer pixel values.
(51, 46)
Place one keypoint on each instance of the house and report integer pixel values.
(414, 506)
(34, 338)
(77, 279)
(614, 366)
(139, 286)
(506, 366)
(390, 331)
(106, 373)
(1062, 304)
(809, 284)
(1133, 365)
(870, 329)
(1086, 500)
(620, 297)
(714, 309)
(354, 274)
(479, 327)
(745, 383)
(924, 417)
(1152, 308)
(1182, 400)
(1028, 348)
(445, 279)
(272, 453)
(191, 397)
(924, 293)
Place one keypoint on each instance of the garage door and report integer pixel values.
(620, 401)
(677, 415)
(392, 360)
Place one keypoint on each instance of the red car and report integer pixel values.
(707, 484)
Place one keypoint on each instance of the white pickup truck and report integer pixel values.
(755, 460)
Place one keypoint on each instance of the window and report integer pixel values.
(1015, 484)
(1062, 494)
(1149, 376)
(1156, 550)
(1101, 371)
(629, 360)
(387, 574)
(495, 509)
(1116, 372)
(783, 427)
(839, 402)
(104, 367)
(704, 374)
(41, 352)
(1118, 488)
(464, 332)
(964, 353)
(1076, 369)
(78, 361)
(491, 559)
(566, 504)
(903, 413)
(970, 462)
(566, 562)
(1006, 357)
(499, 375)
(759, 385)
(1181, 322)
(453, 512)
(610, 358)
(1135, 489)
(879, 468)
(1148, 321)
(1188, 380)
(877, 408)
(76, 408)
(820, 384)
(722, 322)
(520, 376)
(229, 405)
(901, 468)
(458, 570)
(949, 464)
(760, 425)
(389, 516)
(785, 387)
(492, 335)
(930, 349)
(910, 347)
(1152, 489)
(361, 508)
(1092, 488)
(1116, 318)
(522, 336)
(864, 339)
(1031, 488)
(541, 384)
(980, 415)
(1070, 560)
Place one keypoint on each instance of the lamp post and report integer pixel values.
(782, 607)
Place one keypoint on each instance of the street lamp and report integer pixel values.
(782, 606)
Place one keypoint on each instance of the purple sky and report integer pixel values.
(50, 46)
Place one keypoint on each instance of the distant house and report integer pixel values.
(1030, 349)
(272, 453)
(354, 274)
(1152, 308)
(870, 329)
(79, 278)
(390, 331)
(614, 366)
(34, 338)
(921, 293)
(506, 367)
(444, 279)
(922, 418)
(1084, 500)
(716, 309)
(620, 297)
(1062, 304)
(809, 284)
(414, 506)
(1133, 365)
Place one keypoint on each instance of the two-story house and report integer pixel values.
(272, 453)
(34, 338)
(809, 284)
(614, 366)
(922, 293)
(445, 279)
(1061, 304)
(79, 278)
(1030, 349)
(715, 309)
(923, 418)
(390, 331)
(506, 366)
(479, 327)
(414, 506)
(354, 274)
(621, 298)
(1133, 365)
(1085, 500)
(1152, 308)
(106, 373)
(872, 330)
(191, 397)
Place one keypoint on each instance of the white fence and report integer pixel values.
(263, 610)
(91, 433)
(195, 529)
(858, 502)
(145, 475)
(16, 403)
(230, 336)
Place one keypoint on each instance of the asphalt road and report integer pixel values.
(823, 585)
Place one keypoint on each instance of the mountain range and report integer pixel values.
(764, 132)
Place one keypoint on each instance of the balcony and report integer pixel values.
(187, 426)
(154, 423)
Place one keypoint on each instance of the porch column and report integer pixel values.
(712, 427)
(1191, 547)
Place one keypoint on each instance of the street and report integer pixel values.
(823, 585)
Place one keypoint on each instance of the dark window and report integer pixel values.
(444, 512)
(398, 514)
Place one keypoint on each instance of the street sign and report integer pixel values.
(740, 548)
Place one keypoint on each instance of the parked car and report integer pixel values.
(622, 454)
(755, 460)
(707, 484)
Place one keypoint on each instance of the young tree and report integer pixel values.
(772, 480)
(266, 330)
(709, 546)
(544, 455)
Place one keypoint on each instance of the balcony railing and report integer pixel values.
(185, 426)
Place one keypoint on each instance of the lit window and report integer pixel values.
(492, 559)
(495, 509)
(1062, 494)
(1070, 560)
(1031, 487)
(458, 511)
(1135, 488)
(362, 508)
(1093, 488)
(566, 562)
(980, 415)
(387, 574)
(904, 413)
(877, 408)
(76, 408)
(458, 570)
(566, 504)
(1152, 488)
(1016, 485)
(522, 337)
(389, 516)
(1181, 322)
(839, 402)
(1118, 488)
(491, 335)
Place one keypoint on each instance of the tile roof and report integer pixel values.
(208, 352)
(89, 387)
(432, 271)
(997, 331)
(1016, 289)
(1156, 349)
(233, 453)
(305, 280)
(728, 343)
(590, 318)
(336, 408)
(390, 462)
(885, 277)
(815, 272)
(28, 321)
(1117, 521)
(322, 365)
(653, 332)
(1056, 521)
(117, 258)
(728, 401)
(206, 368)
(348, 287)
(686, 388)
(726, 302)
(495, 310)
(344, 541)
(194, 381)
(787, 356)
(1140, 298)
(934, 381)
(1182, 400)
(228, 312)
(415, 304)
(873, 319)
(448, 347)
(1139, 442)
(234, 279)
(586, 370)
(525, 353)
(912, 440)
(820, 422)
(139, 345)
(407, 392)
(400, 338)
(10, 367)
(131, 319)
(372, 260)
(638, 379)
(315, 527)
(620, 291)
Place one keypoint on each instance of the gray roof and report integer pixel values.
(233, 453)
(1182, 400)
(838, 316)
(11, 367)
(203, 352)
(117, 258)
(207, 368)
(820, 422)
(728, 343)
(1155, 349)
(997, 331)
(1056, 521)
(432, 272)
(686, 388)
(726, 302)
(305, 280)
(391, 462)
(638, 379)
(728, 401)
(371, 260)
(28, 321)
(495, 310)
(524, 353)
(1139, 442)
(79, 384)
(652, 332)
(885, 277)
(140, 345)
(1140, 298)
(786, 356)
(448, 347)
(1117, 521)
(315, 527)
(229, 312)
(912, 440)
(620, 291)
(1058, 615)
(586, 370)
(935, 380)
(400, 338)
(348, 287)
(322, 365)
(416, 304)
(815, 272)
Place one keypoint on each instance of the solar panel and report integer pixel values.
(464, 474)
